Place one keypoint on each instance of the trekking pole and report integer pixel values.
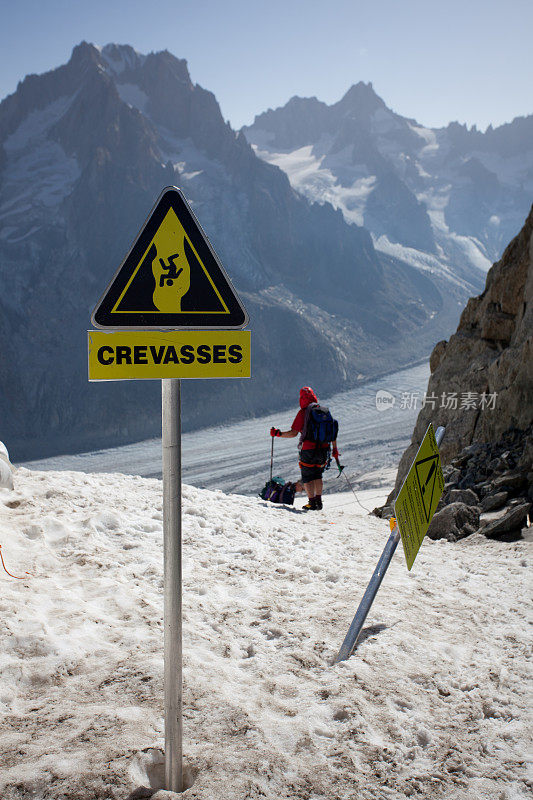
(271, 458)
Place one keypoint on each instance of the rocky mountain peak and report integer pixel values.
(120, 57)
(300, 121)
(360, 99)
(36, 92)
(83, 54)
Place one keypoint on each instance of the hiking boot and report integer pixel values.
(318, 504)
(310, 505)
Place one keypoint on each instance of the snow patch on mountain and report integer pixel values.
(119, 58)
(36, 124)
(133, 95)
(311, 174)
(38, 174)
(190, 162)
(308, 173)
(427, 134)
(425, 262)
(334, 178)
(303, 167)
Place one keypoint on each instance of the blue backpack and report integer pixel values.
(320, 427)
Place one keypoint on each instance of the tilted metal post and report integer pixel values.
(350, 640)
(171, 451)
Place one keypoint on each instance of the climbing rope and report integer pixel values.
(341, 472)
(18, 577)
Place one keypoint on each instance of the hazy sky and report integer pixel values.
(434, 60)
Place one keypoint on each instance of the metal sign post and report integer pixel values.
(350, 640)
(171, 447)
(159, 319)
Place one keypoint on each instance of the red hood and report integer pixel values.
(307, 396)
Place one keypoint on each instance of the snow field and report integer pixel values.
(368, 439)
(433, 703)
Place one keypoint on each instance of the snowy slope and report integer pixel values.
(236, 457)
(432, 705)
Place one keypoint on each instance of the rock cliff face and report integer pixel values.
(484, 374)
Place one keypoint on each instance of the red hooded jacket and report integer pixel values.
(307, 396)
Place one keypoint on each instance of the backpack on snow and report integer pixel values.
(271, 490)
(276, 491)
(287, 493)
(319, 427)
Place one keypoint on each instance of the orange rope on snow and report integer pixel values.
(18, 577)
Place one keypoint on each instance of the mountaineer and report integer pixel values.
(318, 432)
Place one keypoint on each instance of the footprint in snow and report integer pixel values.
(148, 527)
(272, 633)
(13, 503)
(423, 737)
(324, 732)
(341, 715)
(33, 532)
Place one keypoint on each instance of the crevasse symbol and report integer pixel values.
(172, 282)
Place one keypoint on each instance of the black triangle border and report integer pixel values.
(105, 319)
(434, 457)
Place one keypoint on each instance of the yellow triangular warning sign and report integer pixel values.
(426, 473)
(171, 278)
